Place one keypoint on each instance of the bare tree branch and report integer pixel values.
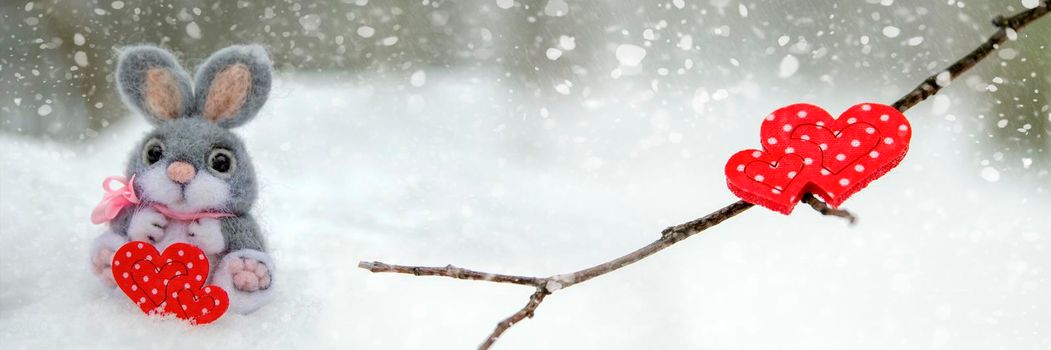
(547, 285)
(674, 234)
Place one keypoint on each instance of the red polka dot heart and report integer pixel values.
(805, 150)
(169, 283)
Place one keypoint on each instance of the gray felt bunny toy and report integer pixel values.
(191, 178)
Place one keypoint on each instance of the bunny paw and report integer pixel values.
(247, 276)
(147, 225)
(206, 234)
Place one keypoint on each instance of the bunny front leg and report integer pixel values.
(206, 234)
(102, 250)
(147, 225)
(246, 271)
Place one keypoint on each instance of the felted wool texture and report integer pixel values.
(110, 241)
(252, 57)
(119, 225)
(132, 78)
(228, 92)
(244, 302)
(163, 97)
(205, 192)
(181, 171)
(190, 137)
(192, 140)
(242, 232)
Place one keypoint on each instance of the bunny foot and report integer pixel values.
(246, 275)
(250, 275)
(102, 256)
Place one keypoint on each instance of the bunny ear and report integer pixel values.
(152, 82)
(233, 85)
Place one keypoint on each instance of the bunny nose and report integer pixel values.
(181, 172)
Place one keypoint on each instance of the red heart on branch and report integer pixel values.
(775, 180)
(156, 282)
(840, 156)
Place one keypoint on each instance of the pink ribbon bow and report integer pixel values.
(114, 200)
(174, 215)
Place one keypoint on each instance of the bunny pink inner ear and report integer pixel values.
(228, 92)
(162, 93)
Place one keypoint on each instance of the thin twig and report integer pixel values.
(674, 234)
(450, 271)
(827, 210)
(936, 82)
(525, 312)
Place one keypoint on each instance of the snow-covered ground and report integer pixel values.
(464, 171)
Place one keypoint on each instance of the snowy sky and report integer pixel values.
(618, 125)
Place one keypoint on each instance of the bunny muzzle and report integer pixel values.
(183, 188)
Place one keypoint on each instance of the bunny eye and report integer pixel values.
(153, 151)
(222, 161)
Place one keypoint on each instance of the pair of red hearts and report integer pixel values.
(806, 150)
(169, 283)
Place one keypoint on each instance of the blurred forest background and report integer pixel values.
(57, 57)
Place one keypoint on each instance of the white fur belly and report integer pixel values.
(179, 232)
